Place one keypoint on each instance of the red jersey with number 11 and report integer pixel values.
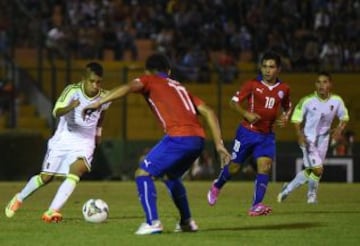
(173, 105)
(264, 100)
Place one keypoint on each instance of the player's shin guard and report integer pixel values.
(313, 184)
(147, 195)
(261, 183)
(64, 192)
(301, 178)
(32, 185)
(178, 194)
(223, 177)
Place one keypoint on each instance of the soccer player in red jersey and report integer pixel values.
(177, 111)
(265, 95)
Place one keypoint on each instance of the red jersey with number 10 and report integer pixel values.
(264, 100)
(173, 105)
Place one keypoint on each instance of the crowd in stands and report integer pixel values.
(308, 34)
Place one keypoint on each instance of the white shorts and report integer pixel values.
(58, 162)
(314, 154)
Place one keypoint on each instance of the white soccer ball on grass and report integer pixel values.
(95, 210)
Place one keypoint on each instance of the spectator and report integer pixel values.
(227, 66)
(126, 41)
(56, 43)
(330, 56)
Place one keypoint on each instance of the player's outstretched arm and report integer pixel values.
(116, 93)
(213, 123)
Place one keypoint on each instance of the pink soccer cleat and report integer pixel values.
(213, 195)
(259, 209)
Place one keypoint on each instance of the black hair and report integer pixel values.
(271, 55)
(324, 73)
(157, 62)
(95, 68)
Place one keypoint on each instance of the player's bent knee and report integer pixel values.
(318, 171)
(234, 168)
(45, 178)
(141, 172)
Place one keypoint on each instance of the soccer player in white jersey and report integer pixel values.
(70, 150)
(312, 118)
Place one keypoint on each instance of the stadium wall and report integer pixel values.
(22, 155)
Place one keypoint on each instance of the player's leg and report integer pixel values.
(184, 153)
(264, 153)
(178, 194)
(76, 170)
(225, 175)
(50, 164)
(31, 186)
(301, 177)
(314, 179)
(242, 146)
(318, 156)
(148, 199)
(261, 182)
(153, 165)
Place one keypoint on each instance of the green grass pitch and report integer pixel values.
(335, 220)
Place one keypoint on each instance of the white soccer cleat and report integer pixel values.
(146, 229)
(188, 227)
(281, 197)
(311, 199)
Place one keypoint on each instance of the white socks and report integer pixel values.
(32, 185)
(64, 192)
(313, 184)
(300, 179)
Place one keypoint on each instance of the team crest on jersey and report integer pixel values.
(281, 94)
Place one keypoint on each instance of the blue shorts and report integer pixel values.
(247, 143)
(172, 156)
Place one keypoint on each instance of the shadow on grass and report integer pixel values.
(288, 226)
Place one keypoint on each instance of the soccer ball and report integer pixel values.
(95, 210)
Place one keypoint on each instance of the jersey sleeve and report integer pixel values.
(342, 113)
(244, 91)
(65, 98)
(299, 111)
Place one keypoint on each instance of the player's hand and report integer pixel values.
(282, 121)
(224, 155)
(88, 110)
(336, 133)
(252, 118)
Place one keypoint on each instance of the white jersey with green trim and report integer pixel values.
(317, 114)
(73, 132)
